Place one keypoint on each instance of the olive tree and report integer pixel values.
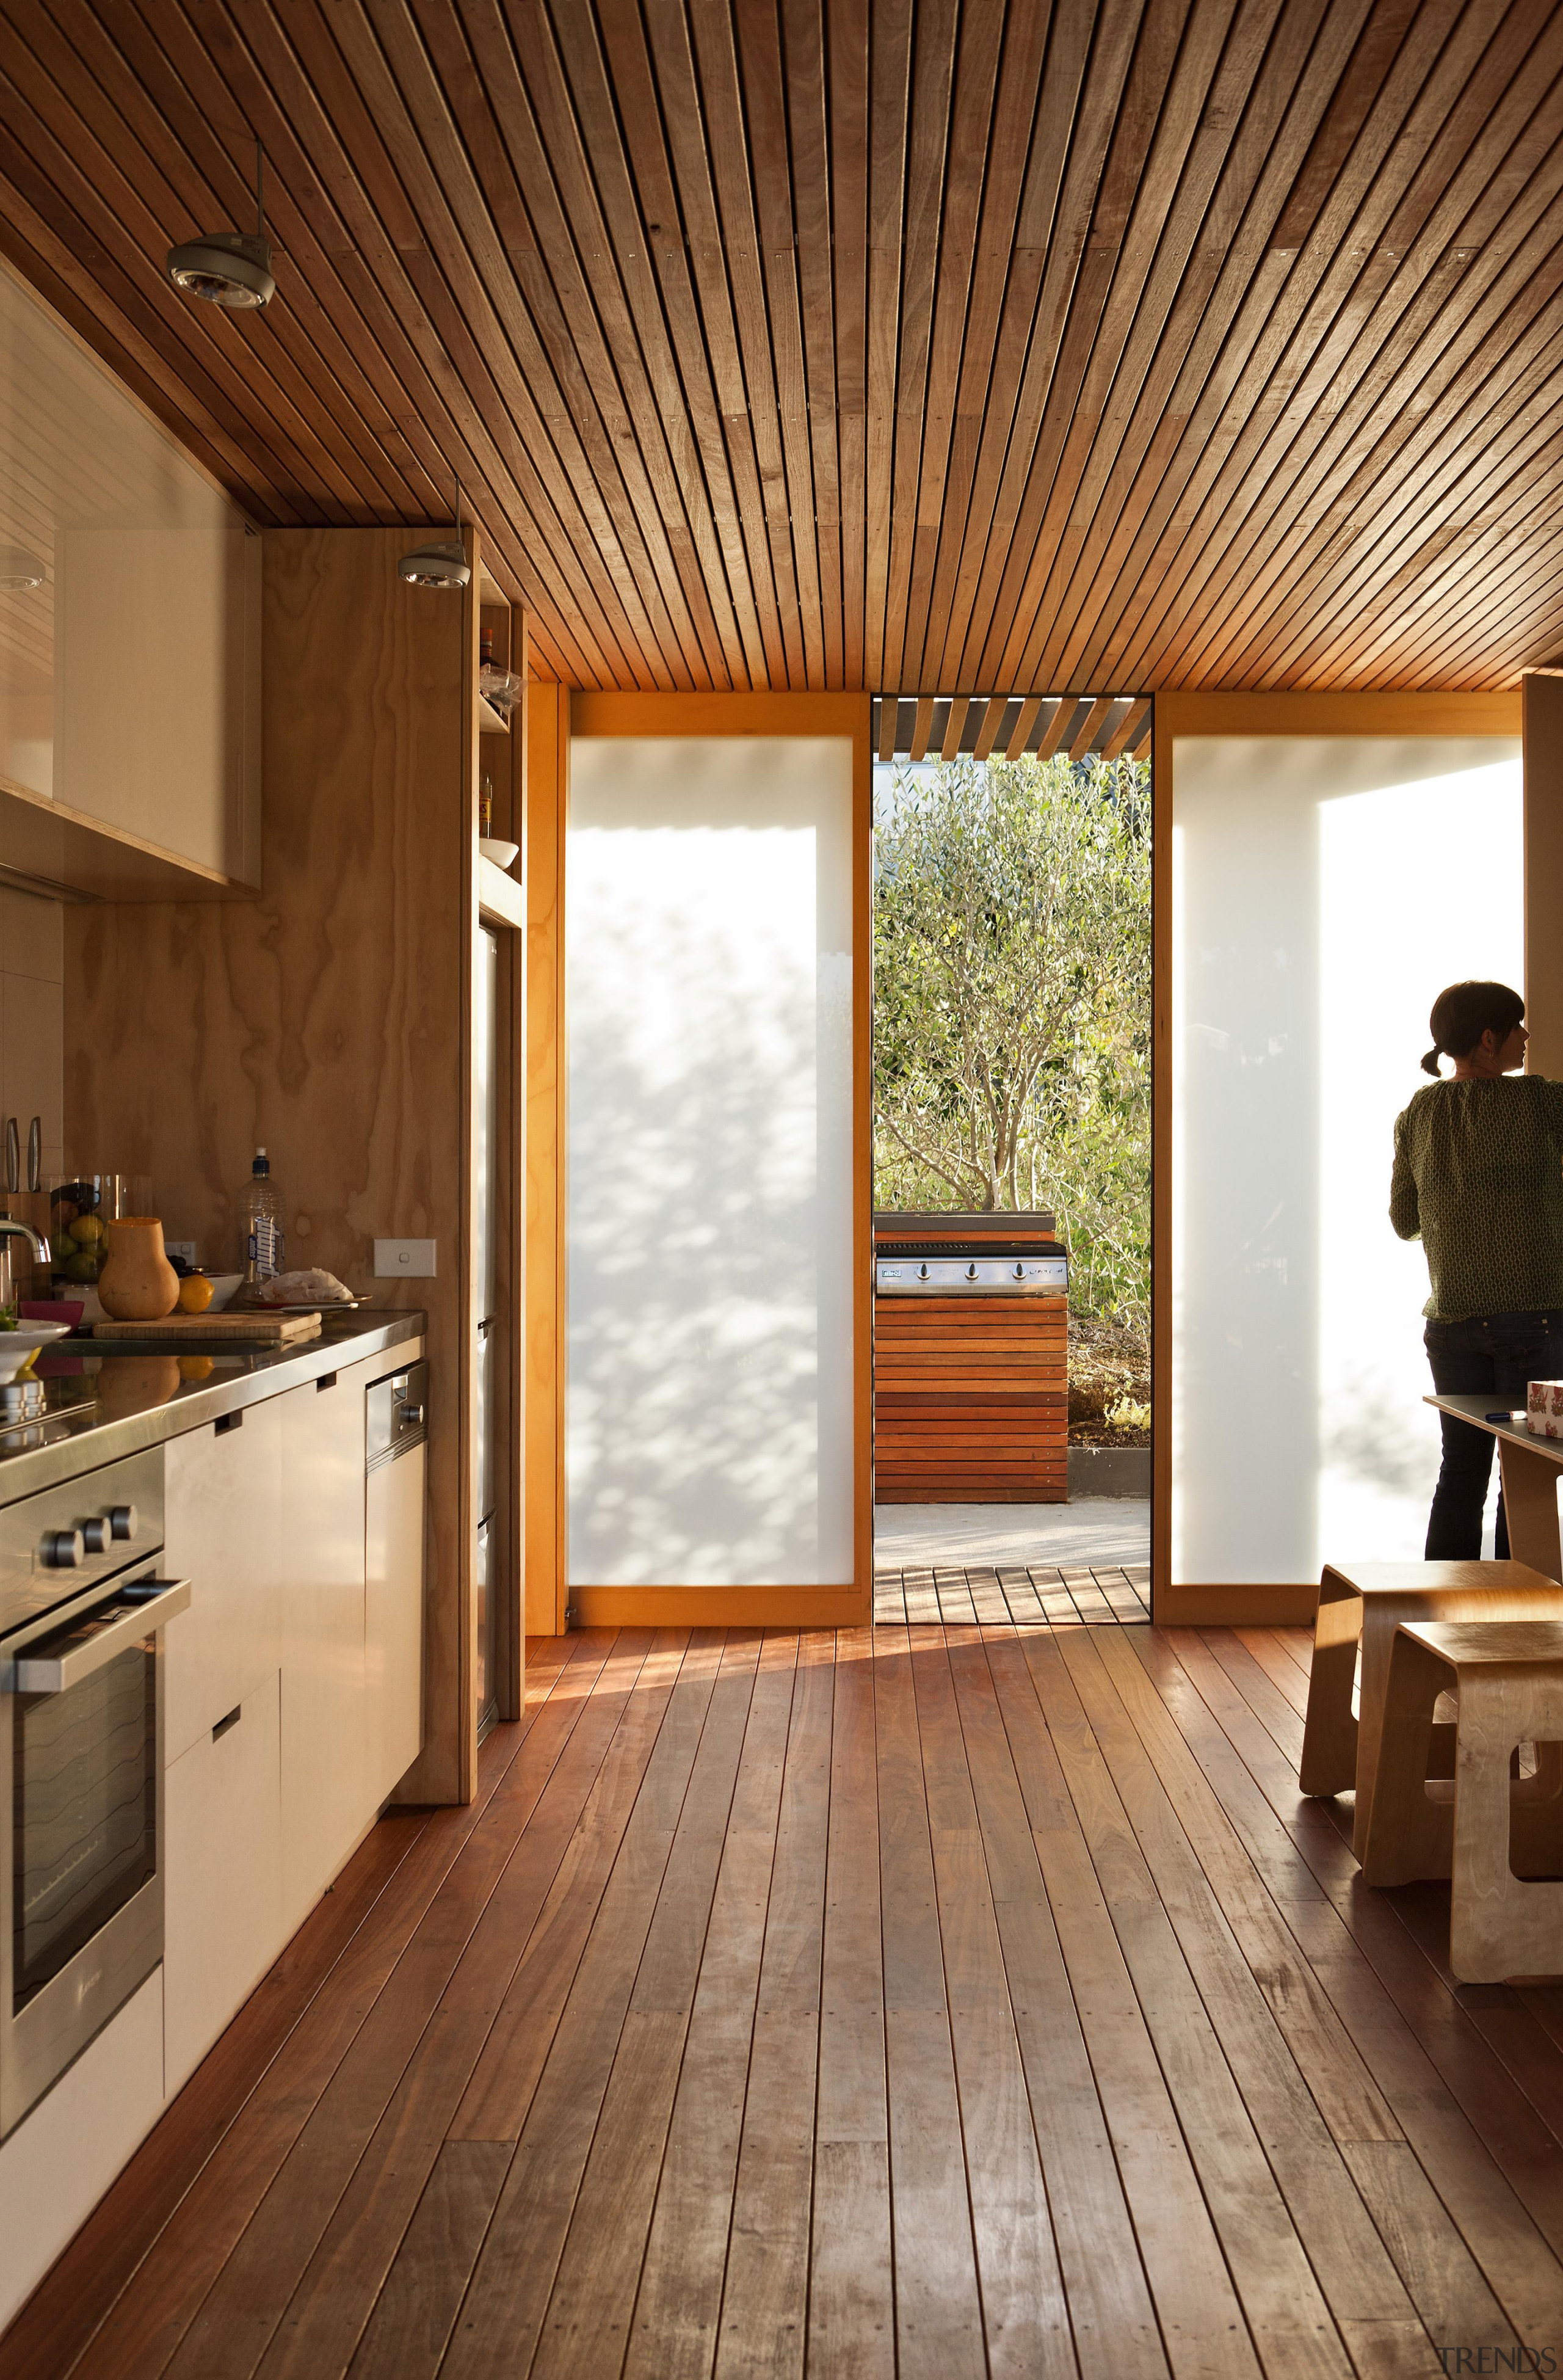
(1011, 1004)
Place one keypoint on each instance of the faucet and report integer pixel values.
(35, 1240)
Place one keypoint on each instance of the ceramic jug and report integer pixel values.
(138, 1284)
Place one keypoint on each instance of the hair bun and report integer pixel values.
(1430, 1063)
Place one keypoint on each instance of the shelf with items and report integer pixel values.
(501, 900)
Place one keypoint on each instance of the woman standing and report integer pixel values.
(1479, 1175)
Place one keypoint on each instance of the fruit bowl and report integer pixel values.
(223, 1287)
(17, 1348)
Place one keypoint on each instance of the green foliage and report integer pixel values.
(1011, 1005)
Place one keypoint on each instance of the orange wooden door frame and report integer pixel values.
(554, 715)
(1193, 1602)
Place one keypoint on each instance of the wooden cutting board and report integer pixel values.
(209, 1329)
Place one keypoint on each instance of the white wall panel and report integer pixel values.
(709, 1024)
(1325, 890)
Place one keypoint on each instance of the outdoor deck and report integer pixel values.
(971, 1999)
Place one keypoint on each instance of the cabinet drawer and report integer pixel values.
(222, 1496)
(222, 1890)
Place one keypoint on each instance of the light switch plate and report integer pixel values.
(184, 1249)
(404, 1259)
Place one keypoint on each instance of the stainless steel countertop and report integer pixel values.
(147, 1394)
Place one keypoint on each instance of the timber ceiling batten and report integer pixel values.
(919, 343)
(949, 727)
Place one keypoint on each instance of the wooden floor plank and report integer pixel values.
(1022, 1602)
(673, 2328)
(987, 1597)
(1024, 2317)
(1089, 1600)
(851, 2302)
(954, 1596)
(972, 1997)
(937, 2299)
(763, 2329)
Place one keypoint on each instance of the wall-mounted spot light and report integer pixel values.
(441, 562)
(20, 570)
(442, 565)
(228, 267)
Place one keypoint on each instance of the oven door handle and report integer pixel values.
(55, 1672)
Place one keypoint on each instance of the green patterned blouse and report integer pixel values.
(1479, 1174)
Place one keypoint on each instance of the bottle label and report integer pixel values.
(265, 1248)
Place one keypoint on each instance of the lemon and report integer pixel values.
(195, 1367)
(87, 1230)
(195, 1294)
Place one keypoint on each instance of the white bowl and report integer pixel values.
(18, 1347)
(493, 848)
(223, 1287)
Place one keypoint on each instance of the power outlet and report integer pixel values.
(404, 1259)
(184, 1249)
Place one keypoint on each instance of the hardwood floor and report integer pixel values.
(953, 2000)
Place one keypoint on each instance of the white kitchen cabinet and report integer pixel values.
(327, 1804)
(394, 1620)
(129, 692)
(223, 1531)
(223, 1891)
(65, 2152)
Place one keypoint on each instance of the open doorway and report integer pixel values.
(1013, 1010)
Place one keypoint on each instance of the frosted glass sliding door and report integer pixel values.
(708, 1407)
(1324, 891)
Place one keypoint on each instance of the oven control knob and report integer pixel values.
(123, 1521)
(62, 1550)
(95, 1534)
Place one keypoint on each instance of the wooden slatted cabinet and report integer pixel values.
(971, 1392)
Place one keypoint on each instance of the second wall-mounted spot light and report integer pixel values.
(20, 570)
(228, 267)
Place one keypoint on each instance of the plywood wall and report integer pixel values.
(329, 1019)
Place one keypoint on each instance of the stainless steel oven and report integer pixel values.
(83, 1610)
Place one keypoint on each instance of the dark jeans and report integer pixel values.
(1492, 1355)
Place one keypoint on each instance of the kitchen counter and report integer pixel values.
(143, 1395)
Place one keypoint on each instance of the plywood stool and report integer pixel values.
(1367, 1603)
(1487, 1832)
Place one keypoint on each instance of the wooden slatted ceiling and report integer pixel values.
(904, 343)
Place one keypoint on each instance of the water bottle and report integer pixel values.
(261, 1223)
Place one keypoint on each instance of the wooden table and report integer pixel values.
(1530, 1469)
